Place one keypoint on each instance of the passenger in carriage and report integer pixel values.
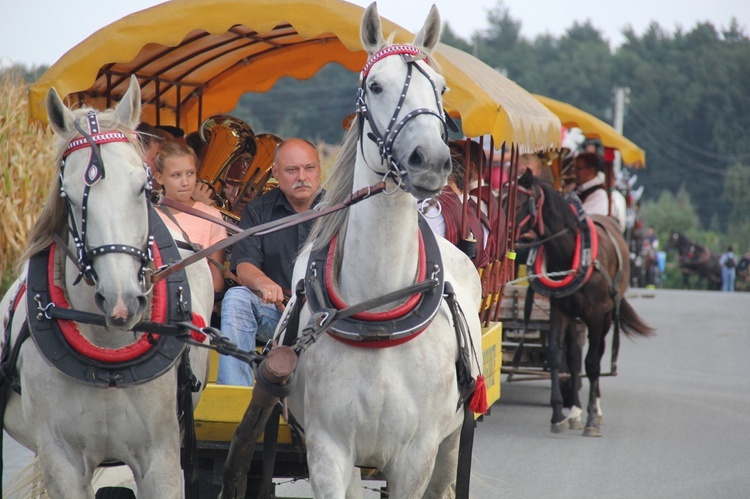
(446, 221)
(264, 264)
(151, 140)
(590, 185)
(174, 133)
(175, 170)
(534, 163)
(618, 203)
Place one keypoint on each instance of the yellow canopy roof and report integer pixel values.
(196, 58)
(593, 127)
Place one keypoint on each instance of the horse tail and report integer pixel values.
(27, 482)
(631, 323)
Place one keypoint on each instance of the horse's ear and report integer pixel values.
(59, 116)
(371, 31)
(129, 108)
(526, 180)
(429, 35)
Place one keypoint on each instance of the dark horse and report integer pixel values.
(595, 255)
(693, 259)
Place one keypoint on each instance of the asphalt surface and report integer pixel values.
(676, 418)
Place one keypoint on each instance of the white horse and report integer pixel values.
(76, 418)
(394, 408)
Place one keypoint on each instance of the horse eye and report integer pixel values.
(375, 87)
(442, 92)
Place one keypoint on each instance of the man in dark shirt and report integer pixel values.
(264, 264)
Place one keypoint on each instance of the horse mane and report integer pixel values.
(338, 187)
(53, 218)
(557, 203)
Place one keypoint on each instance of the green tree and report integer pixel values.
(737, 193)
(449, 37)
(313, 109)
(671, 213)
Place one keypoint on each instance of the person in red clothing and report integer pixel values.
(477, 240)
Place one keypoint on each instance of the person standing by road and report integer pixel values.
(728, 263)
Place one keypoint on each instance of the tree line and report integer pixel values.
(689, 109)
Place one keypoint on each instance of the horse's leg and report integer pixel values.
(354, 490)
(446, 464)
(330, 466)
(64, 477)
(598, 327)
(573, 358)
(160, 475)
(558, 325)
(410, 472)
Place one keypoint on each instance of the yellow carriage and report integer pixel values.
(195, 58)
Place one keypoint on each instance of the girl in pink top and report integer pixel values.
(174, 168)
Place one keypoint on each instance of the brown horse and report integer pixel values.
(594, 256)
(693, 259)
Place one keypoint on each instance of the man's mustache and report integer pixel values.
(302, 183)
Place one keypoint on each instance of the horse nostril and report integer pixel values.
(99, 300)
(142, 302)
(447, 166)
(416, 158)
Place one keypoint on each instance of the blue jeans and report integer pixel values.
(245, 319)
(727, 279)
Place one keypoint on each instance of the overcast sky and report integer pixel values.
(36, 32)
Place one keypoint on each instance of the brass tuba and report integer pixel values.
(229, 139)
(257, 178)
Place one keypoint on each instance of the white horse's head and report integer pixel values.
(400, 98)
(104, 183)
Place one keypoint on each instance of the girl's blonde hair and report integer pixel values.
(172, 149)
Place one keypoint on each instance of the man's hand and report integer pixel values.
(269, 291)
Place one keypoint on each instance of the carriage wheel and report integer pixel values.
(115, 493)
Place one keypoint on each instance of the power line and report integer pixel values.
(668, 137)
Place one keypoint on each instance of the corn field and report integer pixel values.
(26, 171)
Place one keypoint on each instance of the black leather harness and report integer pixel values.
(46, 332)
(350, 328)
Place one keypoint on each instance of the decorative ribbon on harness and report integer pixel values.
(399, 49)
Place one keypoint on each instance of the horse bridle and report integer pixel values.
(533, 215)
(385, 140)
(84, 257)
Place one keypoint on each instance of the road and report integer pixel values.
(676, 418)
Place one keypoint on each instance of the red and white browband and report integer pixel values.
(98, 138)
(409, 50)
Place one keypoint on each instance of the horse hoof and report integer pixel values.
(575, 424)
(560, 427)
(592, 431)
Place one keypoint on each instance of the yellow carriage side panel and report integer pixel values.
(492, 354)
(221, 407)
(220, 410)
